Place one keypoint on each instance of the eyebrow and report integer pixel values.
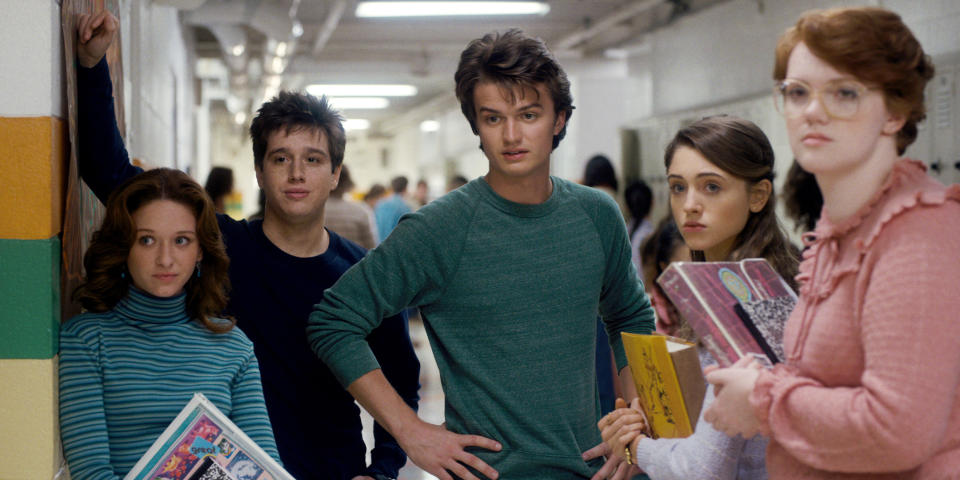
(699, 175)
(148, 230)
(524, 108)
(288, 152)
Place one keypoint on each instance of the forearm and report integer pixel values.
(627, 385)
(374, 393)
(391, 344)
(707, 453)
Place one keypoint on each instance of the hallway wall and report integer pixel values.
(33, 149)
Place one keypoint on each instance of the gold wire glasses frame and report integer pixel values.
(839, 98)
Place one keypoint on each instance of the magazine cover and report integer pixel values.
(736, 308)
(203, 444)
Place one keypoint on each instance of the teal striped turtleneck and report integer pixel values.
(127, 372)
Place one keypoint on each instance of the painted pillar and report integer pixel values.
(33, 152)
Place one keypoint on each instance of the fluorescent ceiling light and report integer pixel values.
(356, 124)
(333, 90)
(277, 65)
(351, 103)
(429, 126)
(426, 9)
(237, 49)
(281, 49)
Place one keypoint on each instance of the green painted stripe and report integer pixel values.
(29, 298)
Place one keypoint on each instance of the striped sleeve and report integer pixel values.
(83, 427)
(249, 410)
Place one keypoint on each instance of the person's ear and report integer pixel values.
(559, 123)
(336, 176)
(894, 123)
(759, 195)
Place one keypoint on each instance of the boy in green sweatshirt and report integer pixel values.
(510, 272)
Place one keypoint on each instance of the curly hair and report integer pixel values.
(512, 60)
(291, 111)
(873, 45)
(739, 147)
(105, 261)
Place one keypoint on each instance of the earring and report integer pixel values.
(198, 269)
(123, 275)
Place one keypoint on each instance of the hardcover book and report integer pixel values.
(203, 444)
(669, 381)
(736, 308)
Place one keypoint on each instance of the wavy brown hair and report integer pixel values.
(106, 259)
(740, 148)
(511, 60)
(874, 46)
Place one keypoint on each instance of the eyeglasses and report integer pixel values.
(839, 98)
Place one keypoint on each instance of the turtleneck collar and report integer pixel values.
(141, 307)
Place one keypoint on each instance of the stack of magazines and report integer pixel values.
(203, 444)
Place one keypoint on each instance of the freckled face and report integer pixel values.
(165, 251)
(709, 205)
(516, 131)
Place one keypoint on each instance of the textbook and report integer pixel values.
(736, 308)
(203, 444)
(669, 381)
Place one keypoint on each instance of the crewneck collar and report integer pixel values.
(142, 307)
(521, 209)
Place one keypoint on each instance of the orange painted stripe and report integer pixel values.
(32, 183)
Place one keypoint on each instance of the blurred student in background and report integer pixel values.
(802, 199)
(456, 182)
(600, 174)
(639, 200)
(871, 384)
(219, 186)
(389, 210)
(348, 218)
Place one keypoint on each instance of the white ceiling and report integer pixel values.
(338, 47)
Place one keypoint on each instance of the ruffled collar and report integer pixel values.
(823, 261)
(142, 307)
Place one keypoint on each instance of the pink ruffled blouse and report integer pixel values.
(870, 387)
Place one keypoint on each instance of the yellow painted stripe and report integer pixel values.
(34, 152)
(29, 426)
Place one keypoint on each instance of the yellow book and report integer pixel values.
(670, 384)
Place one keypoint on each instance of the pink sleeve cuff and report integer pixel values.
(761, 398)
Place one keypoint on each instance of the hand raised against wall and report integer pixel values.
(95, 33)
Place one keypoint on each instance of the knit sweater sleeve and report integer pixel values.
(249, 410)
(707, 454)
(624, 305)
(83, 425)
(407, 269)
(897, 416)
